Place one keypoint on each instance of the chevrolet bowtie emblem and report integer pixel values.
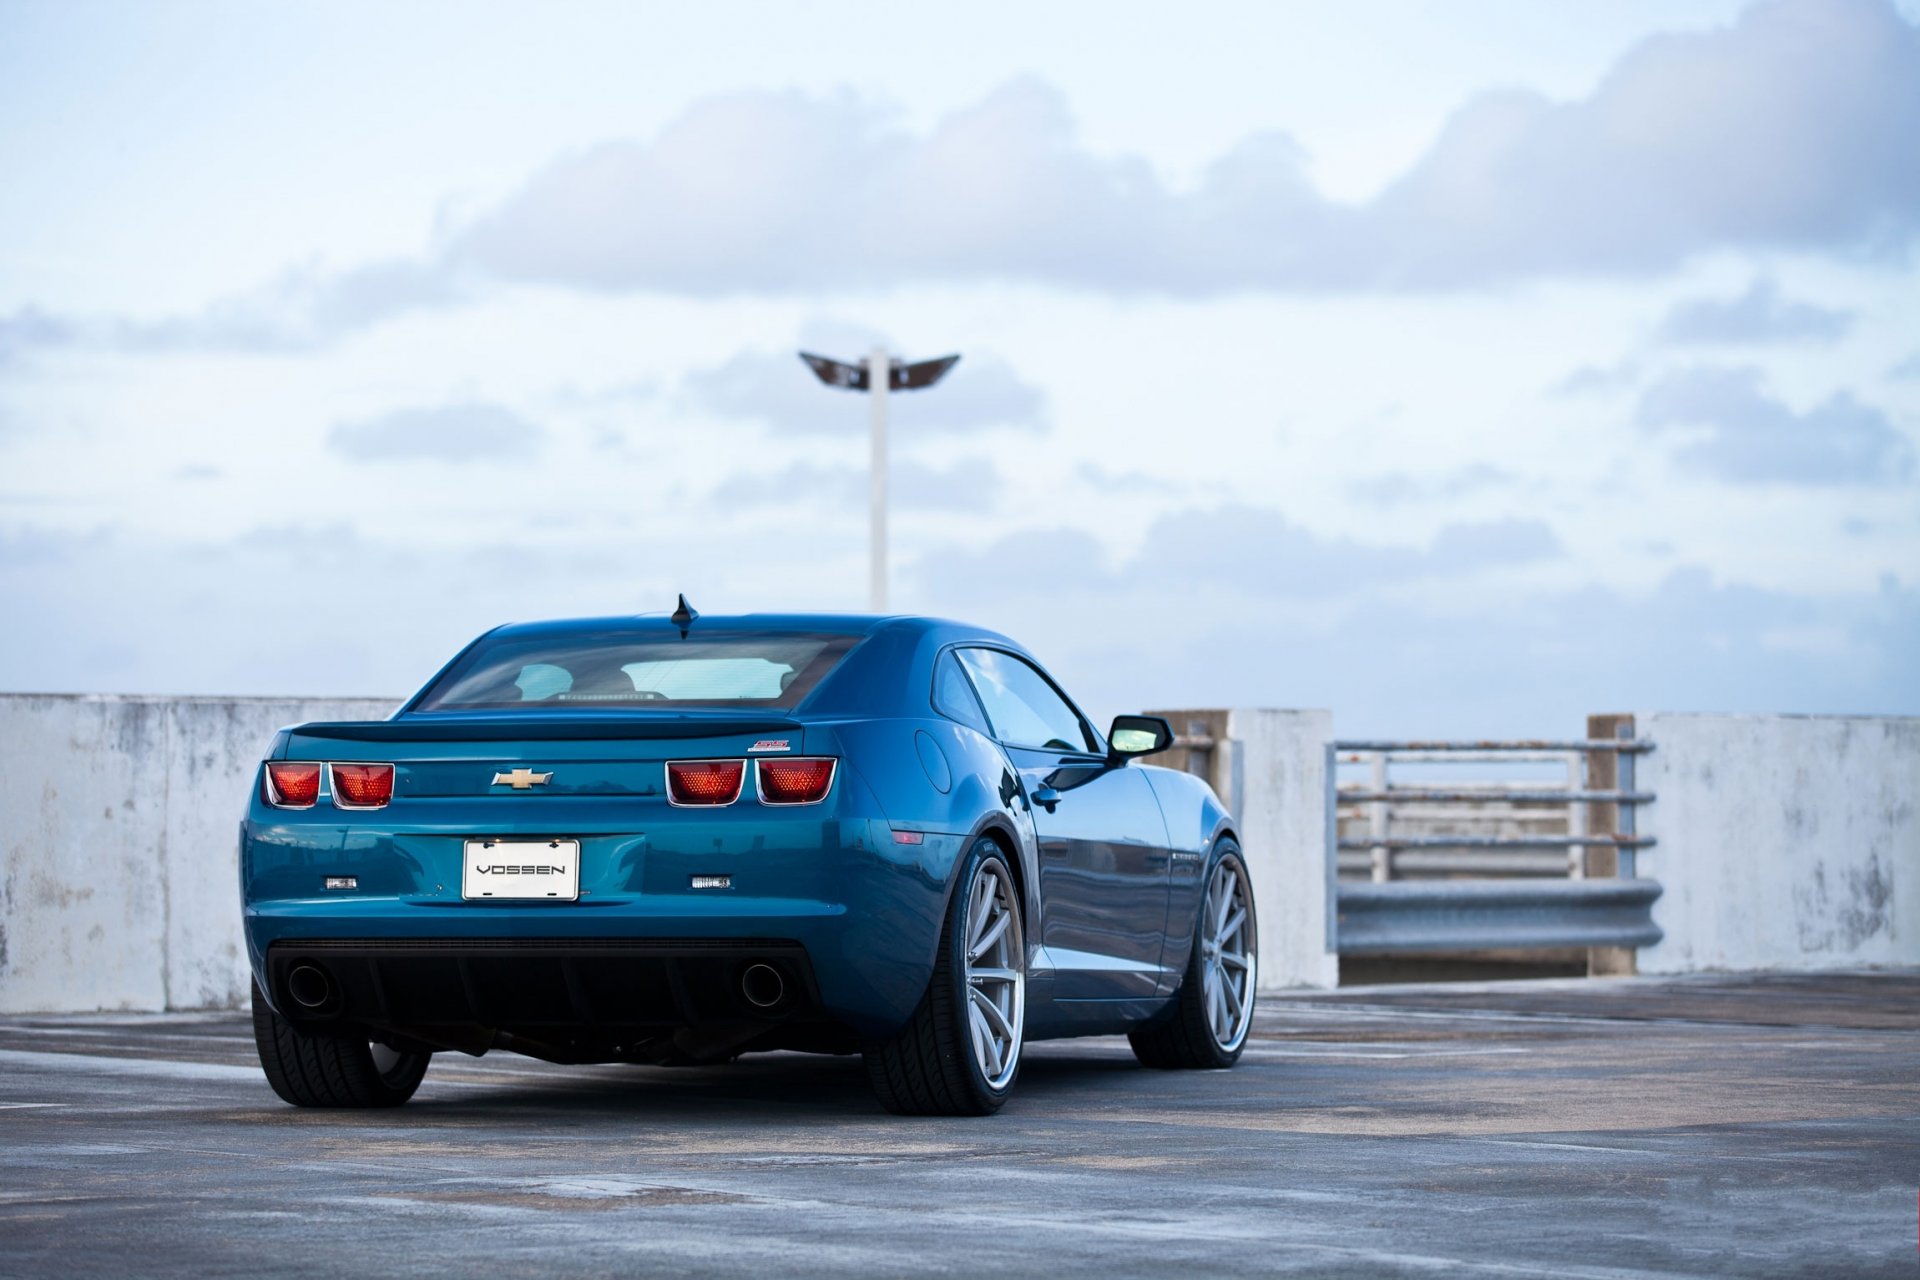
(521, 779)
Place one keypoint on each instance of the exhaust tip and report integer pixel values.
(309, 986)
(764, 986)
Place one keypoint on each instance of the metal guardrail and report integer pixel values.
(1578, 796)
(1446, 912)
(1477, 915)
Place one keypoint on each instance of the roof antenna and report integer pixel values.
(684, 615)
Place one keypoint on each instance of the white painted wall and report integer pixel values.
(119, 820)
(1280, 803)
(1785, 842)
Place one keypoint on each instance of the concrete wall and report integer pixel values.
(118, 819)
(1785, 842)
(1279, 797)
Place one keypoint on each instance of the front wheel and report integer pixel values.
(959, 1053)
(328, 1071)
(1214, 1010)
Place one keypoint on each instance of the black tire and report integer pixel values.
(311, 1070)
(928, 1068)
(1184, 1038)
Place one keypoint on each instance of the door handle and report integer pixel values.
(1047, 796)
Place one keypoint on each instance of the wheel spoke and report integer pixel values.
(998, 927)
(1233, 960)
(979, 908)
(1231, 927)
(985, 1047)
(1228, 884)
(995, 1016)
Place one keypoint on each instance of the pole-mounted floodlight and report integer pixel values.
(877, 376)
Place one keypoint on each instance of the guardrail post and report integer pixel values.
(1379, 816)
(1610, 771)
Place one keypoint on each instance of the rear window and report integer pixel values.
(615, 669)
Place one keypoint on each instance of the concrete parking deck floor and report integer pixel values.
(1763, 1126)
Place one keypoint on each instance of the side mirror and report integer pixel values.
(1138, 736)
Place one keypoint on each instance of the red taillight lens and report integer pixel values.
(362, 786)
(292, 785)
(797, 781)
(705, 781)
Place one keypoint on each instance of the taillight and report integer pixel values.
(362, 786)
(796, 781)
(705, 781)
(292, 784)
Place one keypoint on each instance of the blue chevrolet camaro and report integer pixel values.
(677, 839)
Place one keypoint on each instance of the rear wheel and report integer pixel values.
(1210, 1019)
(311, 1070)
(960, 1052)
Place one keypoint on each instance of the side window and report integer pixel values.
(953, 696)
(1025, 710)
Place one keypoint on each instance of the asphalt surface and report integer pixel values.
(1617, 1128)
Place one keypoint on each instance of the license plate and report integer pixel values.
(544, 869)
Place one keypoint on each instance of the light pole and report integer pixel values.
(878, 375)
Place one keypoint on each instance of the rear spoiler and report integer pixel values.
(544, 728)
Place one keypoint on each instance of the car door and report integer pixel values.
(1104, 863)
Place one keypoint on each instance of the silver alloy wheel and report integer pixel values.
(1226, 952)
(996, 964)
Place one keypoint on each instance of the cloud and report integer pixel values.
(469, 432)
(1594, 379)
(1740, 434)
(1245, 548)
(304, 309)
(969, 484)
(1267, 551)
(1793, 127)
(1906, 370)
(776, 388)
(1758, 315)
(1117, 482)
(1393, 488)
(1490, 657)
(1537, 663)
(32, 328)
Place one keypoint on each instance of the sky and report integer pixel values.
(1463, 367)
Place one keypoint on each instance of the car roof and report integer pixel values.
(853, 624)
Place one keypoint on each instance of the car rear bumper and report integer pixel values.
(854, 916)
(581, 998)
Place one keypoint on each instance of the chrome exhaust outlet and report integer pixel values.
(310, 986)
(763, 986)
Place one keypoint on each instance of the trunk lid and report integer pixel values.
(541, 755)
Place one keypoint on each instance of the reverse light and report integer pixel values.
(362, 786)
(797, 781)
(701, 782)
(292, 784)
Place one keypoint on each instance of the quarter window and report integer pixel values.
(953, 696)
(1025, 709)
